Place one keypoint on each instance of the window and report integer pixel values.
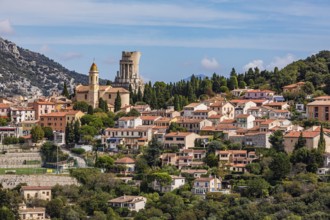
(85, 96)
(109, 96)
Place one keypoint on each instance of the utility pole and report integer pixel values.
(57, 159)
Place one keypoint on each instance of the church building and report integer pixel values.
(94, 91)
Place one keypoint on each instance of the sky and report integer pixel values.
(177, 38)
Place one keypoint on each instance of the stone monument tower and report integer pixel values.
(128, 74)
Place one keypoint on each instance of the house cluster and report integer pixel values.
(55, 111)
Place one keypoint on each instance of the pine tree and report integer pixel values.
(176, 103)
(65, 91)
(118, 102)
(321, 144)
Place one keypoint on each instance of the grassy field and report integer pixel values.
(23, 170)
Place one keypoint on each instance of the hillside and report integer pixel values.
(23, 72)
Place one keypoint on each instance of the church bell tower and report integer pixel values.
(93, 86)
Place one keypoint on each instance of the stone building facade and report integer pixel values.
(129, 75)
(92, 92)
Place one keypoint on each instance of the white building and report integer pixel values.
(129, 122)
(132, 203)
(189, 109)
(204, 185)
(19, 114)
(177, 182)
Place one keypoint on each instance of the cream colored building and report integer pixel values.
(37, 192)
(224, 108)
(183, 140)
(132, 203)
(312, 138)
(32, 213)
(94, 91)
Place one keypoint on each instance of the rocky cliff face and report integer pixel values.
(23, 72)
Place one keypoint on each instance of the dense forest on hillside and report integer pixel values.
(314, 69)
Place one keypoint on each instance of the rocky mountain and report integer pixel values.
(23, 72)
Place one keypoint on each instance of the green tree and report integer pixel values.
(133, 113)
(6, 213)
(48, 133)
(90, 110)
(82, 106)
(258, 187)
(3, 122)
(65, 91)
(105, 162)
(69, 133)
(54, 208)
(175, 127)
(277, 141)
(76, 131)
(301, 142)
(280, 166)
(153, 152)
(117, 102)
(233, 83)
(321, 143)
(212, 160)
(37, 133)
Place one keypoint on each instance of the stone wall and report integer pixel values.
(17, 160)
(11, 181)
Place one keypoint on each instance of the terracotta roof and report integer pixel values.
(325, 97)
(127, 199)
(305, 134)
(178, 134)
(215, 116)
(204, 179)
(54, 114)
(267, 121)
(232, 152)
(125, 160)
(194, 104)
(127, 118)
(217, 104)
(149, 118)
(276, 103)
(319, 103)
(36, 187)
(2, 105)
(293, 85)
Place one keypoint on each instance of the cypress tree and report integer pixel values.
(65, 91)
(76, 131)
(90, 110)
(139, 95)
(321, 144)
(301, 142)
(118, 102)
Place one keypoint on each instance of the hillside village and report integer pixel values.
(220, 146)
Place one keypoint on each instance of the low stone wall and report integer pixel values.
(17, 160)
(11, 181)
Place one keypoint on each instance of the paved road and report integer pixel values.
(80, 161)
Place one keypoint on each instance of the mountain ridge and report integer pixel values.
(28, 73)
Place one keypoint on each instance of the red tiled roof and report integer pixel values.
(305, 134)
(125, 160)
(178, 134)
(36, 187)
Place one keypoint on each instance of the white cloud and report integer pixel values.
(210, 64)
(253, 64)
(71, 56)
(6, 27)
(281, 62)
